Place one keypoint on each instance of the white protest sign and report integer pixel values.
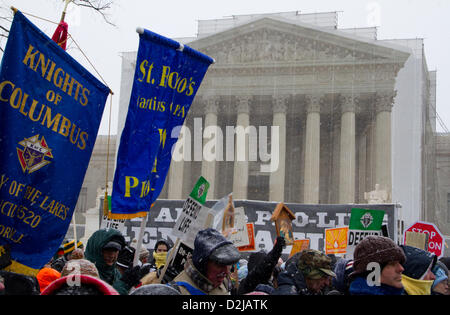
(239, 234)
(191, 220)
(108, 223)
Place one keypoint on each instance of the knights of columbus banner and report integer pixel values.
(50, 112)
(165, 83)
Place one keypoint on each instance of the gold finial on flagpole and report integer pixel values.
(14, 10)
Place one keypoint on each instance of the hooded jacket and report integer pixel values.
(93, 253)
(418, 263)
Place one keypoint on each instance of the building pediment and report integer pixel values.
(276, 41)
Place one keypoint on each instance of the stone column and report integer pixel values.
(312, 150)
(277, 177)
(176, 171)
(347, 159)
(209, 166)
(383, 152)
(361, 148)
(240, 176)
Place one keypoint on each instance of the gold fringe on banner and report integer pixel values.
(22, 269)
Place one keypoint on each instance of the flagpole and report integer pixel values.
(139, 243)
(74, 229)
(63, 16)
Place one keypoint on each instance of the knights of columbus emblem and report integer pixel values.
(366, 220)
(33, 155)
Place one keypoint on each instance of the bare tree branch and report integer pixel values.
(4, 29)
(98, 5)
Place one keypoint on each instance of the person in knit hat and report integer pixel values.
(372, 254)
(69, 250)
(80, 267)
(440, 284)
(207, 271)
(418, 276)
(306, 273)
(45, 276)
(79, 285)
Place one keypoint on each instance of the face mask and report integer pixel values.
(160, 259)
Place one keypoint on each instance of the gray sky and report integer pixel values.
(103, 43)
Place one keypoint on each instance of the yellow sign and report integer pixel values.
(298, 246)
(336, 240)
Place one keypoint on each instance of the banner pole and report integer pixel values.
(74, 229)
(63, 16)
(139, 243)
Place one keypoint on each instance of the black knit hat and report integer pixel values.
(377, 249)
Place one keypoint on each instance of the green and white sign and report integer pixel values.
(193, 215)
(200, 190)
(363, 222)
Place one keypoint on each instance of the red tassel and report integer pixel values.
(60, 35)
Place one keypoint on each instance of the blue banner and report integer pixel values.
(165, 83)
(50, 112)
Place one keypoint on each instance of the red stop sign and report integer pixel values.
(435, 238)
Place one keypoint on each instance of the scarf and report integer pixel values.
(197, 278)
(417, 287)
(160, 259)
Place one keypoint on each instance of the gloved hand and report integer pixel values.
(170, 274)
(132, 276)
(281, 242)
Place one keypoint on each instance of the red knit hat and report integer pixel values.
(46, 276)
(100, 286)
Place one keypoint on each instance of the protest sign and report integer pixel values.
(310, 221)
(416, 239)
(167, 78)
(50, 112)
(283, 217)
(435, 237)
(239, 234)
(298, 246)
(336, 240)
(251, 239)
(181, 256)
(108, 223)
(194, 214)
(363, 222)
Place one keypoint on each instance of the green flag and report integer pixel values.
(200, 190)
(363, 219)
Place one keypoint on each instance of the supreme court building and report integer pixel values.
(353, 113)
